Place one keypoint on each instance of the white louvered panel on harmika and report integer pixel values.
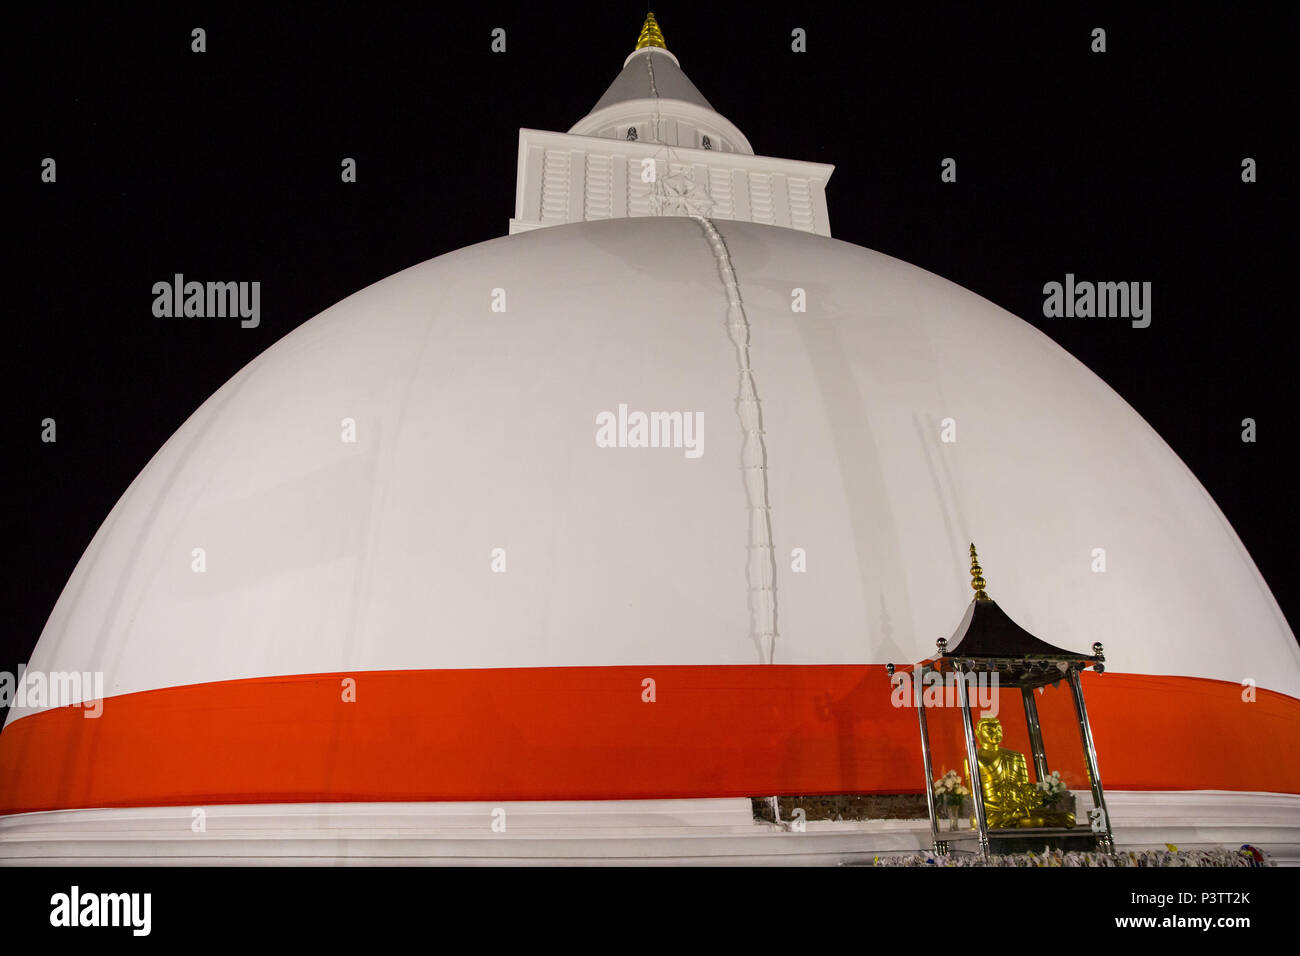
(801, 207)
(599, 200)
(638, 190)
(724, 206)
(555, 186)
(760, 198)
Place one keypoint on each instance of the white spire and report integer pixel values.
(655, 99)
(653, 146)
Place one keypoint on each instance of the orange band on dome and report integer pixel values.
(581, 733)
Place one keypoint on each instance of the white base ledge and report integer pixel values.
(622, 832)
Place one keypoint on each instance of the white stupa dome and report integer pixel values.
(476, 430)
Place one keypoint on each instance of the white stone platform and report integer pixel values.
(624, 832)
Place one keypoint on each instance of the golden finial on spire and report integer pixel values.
(977, 576)
(650, 35)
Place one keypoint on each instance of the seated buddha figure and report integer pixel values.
(1010, 800)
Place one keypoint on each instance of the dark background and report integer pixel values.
(225, 165)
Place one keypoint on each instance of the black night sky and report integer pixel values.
(1122, 166)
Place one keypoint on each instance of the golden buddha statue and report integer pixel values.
(1010, 800)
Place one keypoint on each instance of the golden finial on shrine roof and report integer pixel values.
(977, 576)
(650, 35)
